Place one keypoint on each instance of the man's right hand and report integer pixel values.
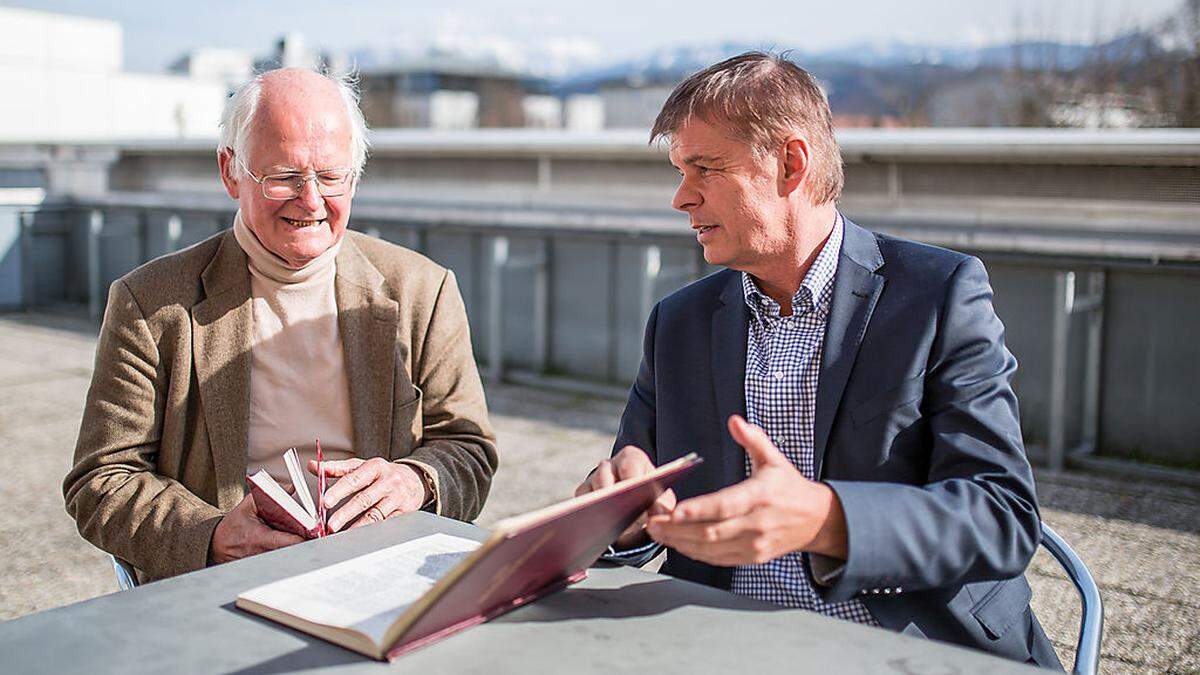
(241, 534)
(630, 462)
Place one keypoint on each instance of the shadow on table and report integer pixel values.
(316, 653)
(645, 599)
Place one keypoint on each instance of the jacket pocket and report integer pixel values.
(906, 392)
(408, 425)
(1000, 608)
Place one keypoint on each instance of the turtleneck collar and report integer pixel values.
(271, 266)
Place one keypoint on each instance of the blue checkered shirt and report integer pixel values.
(783, 363)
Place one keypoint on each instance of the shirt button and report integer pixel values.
(779, 374)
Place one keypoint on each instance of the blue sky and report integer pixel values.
(157, 31)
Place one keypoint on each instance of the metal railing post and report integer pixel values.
(143, 234)
(651, 266)
(1064, 297)
(28, 279)
(541, 306)
(94, 232)
(1090, 433)
(174, 232)
(495, 291)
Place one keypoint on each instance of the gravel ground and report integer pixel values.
(1141, 541)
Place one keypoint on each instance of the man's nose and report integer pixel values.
(686, 197)
(310, 198)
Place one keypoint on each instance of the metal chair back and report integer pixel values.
(1091, 621)
(126, 577)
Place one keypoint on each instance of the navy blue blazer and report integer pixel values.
(916, 431)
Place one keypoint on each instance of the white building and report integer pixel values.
(62, 81)
(633, 107)
(230, 67)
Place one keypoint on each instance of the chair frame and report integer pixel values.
(126, 576)
(1091, 620)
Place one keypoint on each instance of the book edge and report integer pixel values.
(342, 636)
(265, 481)
(518, 523)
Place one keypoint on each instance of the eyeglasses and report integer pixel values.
(284, 186)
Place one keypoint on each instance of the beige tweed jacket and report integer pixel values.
(161, 454)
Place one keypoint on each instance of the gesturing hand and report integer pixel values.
(774, 511)
(373, 489)
(630, 462)
(241, 534)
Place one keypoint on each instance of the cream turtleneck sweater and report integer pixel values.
(298, 386)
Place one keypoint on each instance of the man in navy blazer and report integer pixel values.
(890, 485)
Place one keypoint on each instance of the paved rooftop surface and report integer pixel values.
(1141, 541)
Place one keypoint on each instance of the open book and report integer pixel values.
(299, 514)
(403, 597)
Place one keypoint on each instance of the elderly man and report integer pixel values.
(285, 329)
(890, 486)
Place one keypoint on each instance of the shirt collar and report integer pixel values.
(814, 289)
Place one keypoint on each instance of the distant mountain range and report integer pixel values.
(673, 63)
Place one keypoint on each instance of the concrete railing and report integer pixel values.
(562, 243)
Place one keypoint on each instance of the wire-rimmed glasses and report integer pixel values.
(288, 185)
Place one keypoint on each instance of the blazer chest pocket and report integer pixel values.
(870, 410)
(1000, 608)
(408, 424)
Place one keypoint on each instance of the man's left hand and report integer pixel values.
(373, 490)
(773, 512)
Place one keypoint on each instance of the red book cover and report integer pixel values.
(534, 555)
(276, 515)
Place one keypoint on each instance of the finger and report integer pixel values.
(584, 487)
(758, 445)
(357, 504)
(731, 502)
(664, 504)
(724, 554)
(353, 481)
(631, 462)
(267, 538)
(603, 476)
(335, 467)
(674, 534)
(369, 517)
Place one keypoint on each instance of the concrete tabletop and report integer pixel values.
(617, 620)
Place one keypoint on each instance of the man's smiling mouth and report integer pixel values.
(303, 223)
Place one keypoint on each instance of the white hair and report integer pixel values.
(237, 117)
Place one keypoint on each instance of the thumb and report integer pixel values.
(335, 468)
(758, 445)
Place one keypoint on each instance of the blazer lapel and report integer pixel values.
(730, 328)
(367, 321)
(856, 289)
(222, 330)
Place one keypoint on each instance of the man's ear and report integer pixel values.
(228, 172)
(794, 164)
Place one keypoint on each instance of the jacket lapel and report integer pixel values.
(222, 330)
(730, 328)
(856, 289)
(367, 320)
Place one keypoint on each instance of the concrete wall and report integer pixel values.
(588, 217)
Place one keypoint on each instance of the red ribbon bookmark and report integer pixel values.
(320, 492)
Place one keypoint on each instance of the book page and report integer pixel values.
(370, 592)
(299, 484)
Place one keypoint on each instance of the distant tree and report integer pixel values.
(1178, 71)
